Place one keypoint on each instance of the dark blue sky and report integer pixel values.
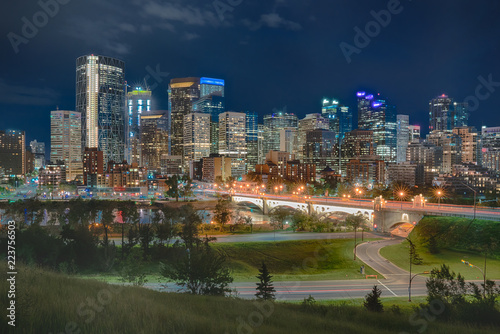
(271, 53)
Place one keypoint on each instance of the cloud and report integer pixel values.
(186, 14)
(190, 36)
(272, 20)
(23, 95)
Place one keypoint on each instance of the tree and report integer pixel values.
(443, 284)
(265, 288)
(414, 256)
(278, 217)
(187, 187)
(173, 187)
(222, 212)
(372, 300)
(355, 221)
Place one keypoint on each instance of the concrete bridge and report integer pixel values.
(382, 215)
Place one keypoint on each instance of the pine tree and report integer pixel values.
(372, 300)
(265, 289)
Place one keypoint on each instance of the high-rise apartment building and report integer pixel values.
(490, 142)
(13, 152)
(310, 123)
(154, 139)
(318, 149)
(139, 102)
(93, 166)
(100, 99)
(66, 141)
(232, 140)
(451, 144)
(273, 124)
(375, 114)
(196, 137)
(403, 135)
(289, 140)
(213, 105)
(356, 144)
(471, 144)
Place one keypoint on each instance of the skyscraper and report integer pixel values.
(490, 139)
(211, 86)
(182, 93)
(413, 132)
(444, 114)
(356, 144)
(138, 103)
(403, 135)
(318, 149)
(338, 116)
(213, 105)
(375, 114)
(232, 140)
(252, 138)
(450, 144)
(273, 123)
(13, 152)
(471, 144)
(38, 150)
(196, 137)
(100, 99)
(289, 140)
(310, 123)
(154, 139)
(66, 141)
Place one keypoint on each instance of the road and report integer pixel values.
(394, 282)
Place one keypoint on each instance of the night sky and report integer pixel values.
(271, 53)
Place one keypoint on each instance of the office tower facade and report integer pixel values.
(471, 144)
(66, 141)
(338, 116)
(154, 139)
(444, 114)
(375, 114)
(413, 133)
(289, 140)
(213, 105)
(450, 144)
(310, 123)
(260, 144)
(196, 137)
(273, 123)
(252, 138)
(139, 102)
(403, 135)
(490, 151)
(428, 155)
(182, 94)
(13, 152)
(100, 99)
(232, 140)
(318, 149)
(38, 150)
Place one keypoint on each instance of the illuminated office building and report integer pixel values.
(196, 137)
(38, 150)
(338, 116)
(232, 140)
(154, 139)
(490, 140)
(138, 103)
(444, 114)
(413, 132)
(66, 141)
(100, 99)
(273, 124)
(13, 152)
(403, 134)
(252, 138)
(310, 123)
(471, 144)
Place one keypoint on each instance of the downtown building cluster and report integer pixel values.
(116, 139)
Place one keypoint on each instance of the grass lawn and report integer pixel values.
(52, 303)
(305, 260)
(398, 254)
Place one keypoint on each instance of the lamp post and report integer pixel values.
(481, 270)
(401, 196)
(475, 194)
(411, 279)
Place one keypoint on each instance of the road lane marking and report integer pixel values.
(387, 288)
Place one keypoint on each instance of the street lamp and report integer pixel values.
(411, 279)
(439, 193)
(401, 196)
(481, 270)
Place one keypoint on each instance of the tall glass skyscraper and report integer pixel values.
(138, 103)
(339, 117)
(66, 141)
(273, 124)
(403, 135)
(252, 138)
(100, 98)
(214, 105)
(444, 114)
(375, 114)
(232, 140)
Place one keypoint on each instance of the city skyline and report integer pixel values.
(249, 34)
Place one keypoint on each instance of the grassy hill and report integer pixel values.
(52, 303)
